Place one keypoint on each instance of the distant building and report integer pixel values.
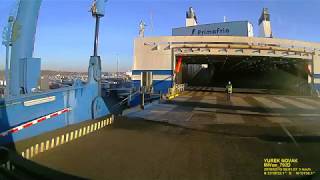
(44, 83)
(129, 73)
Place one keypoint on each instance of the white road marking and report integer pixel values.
(289, 134)
(296, 103)
(315, 101)
(268, 103)
(209, 99)
(238, 101)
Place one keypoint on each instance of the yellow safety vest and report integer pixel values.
(229, 88)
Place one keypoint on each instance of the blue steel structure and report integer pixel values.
(161, 84)
(23, 102)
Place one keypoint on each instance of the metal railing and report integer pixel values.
(147, 90)
(175, 90)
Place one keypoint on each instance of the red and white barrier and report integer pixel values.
(33, 122)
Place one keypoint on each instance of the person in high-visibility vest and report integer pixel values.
(229, 90)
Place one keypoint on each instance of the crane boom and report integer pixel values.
(23, 36)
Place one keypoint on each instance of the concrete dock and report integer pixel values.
(198, 135)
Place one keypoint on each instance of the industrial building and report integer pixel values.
(213, 54)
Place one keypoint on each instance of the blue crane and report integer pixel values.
(24, 103)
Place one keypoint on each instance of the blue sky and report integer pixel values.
(64, 37)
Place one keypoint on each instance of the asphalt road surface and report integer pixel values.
(198, 135)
